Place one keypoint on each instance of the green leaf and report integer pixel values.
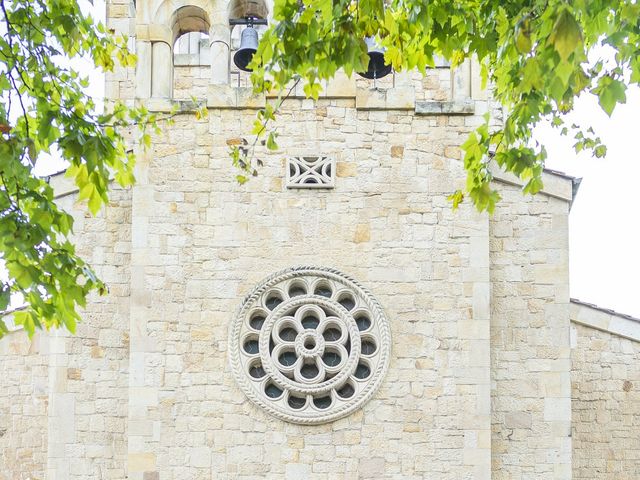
(456, 199)
(523, 36)
(5, 297)
(567, 36)
(24, 318)
(610, 92)
(95, 202)
(271, 141)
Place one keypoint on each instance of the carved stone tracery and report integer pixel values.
(309, 345)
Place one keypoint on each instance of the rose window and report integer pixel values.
(309, 345)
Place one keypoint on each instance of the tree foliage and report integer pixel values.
(44, 109)
(533, 53)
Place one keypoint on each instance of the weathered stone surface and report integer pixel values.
(397, 151)
(399, 98)
(457, 107)
(480, 383)
(528, 345)
(606, 403)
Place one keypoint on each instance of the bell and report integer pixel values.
(248, 46)
(377, 68)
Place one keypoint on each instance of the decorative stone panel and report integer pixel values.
(309, 345)
(311, 172)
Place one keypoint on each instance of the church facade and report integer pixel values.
(333, 317)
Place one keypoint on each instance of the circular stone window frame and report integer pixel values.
(240, 361)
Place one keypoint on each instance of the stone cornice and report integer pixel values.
(605, 320)
(556, 184)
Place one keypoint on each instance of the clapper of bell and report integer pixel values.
(248, 46)
(377, 67)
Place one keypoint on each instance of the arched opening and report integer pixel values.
(189, 19)
(191, 48)
(191, 54)
(239, 9)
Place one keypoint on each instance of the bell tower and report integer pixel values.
(332, 316)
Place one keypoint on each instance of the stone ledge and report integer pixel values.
(164, 105)
(606, 321)
(456, 107)
(340, 86)
(228, 97)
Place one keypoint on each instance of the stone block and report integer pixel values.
(340, 86)
(397, 151)
(456, 107)
(399, 98)
(296, 471)
(231, 97)
(363, 233)
(200, 457)
(141, 462)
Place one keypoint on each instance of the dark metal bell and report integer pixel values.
(248, 46)
(377, 68)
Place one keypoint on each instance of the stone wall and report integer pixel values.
(191, 81)
(530, 351)
(24, 392)
(201, 242)
(479, 379)
(605, 382)
(91, 369)
(63, 398)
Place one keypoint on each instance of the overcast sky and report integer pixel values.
(605, 218)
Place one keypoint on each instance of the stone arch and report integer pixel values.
(190, 23)
(189, 19)
(248, 8)
(191, 51)
(172, 13)
(171, 20)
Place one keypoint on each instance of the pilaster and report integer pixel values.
(61, 413)
(473, 332)
(143, 387)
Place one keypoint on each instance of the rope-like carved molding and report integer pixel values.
(309, 345)
(311, 172)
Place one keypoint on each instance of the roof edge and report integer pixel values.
(556, 184)
(61, 184)
(605, 319)
(609, 311)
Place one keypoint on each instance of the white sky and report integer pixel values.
(604, 222)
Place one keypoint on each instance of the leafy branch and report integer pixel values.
(534, 55)
(242, 155)
(56, 115)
